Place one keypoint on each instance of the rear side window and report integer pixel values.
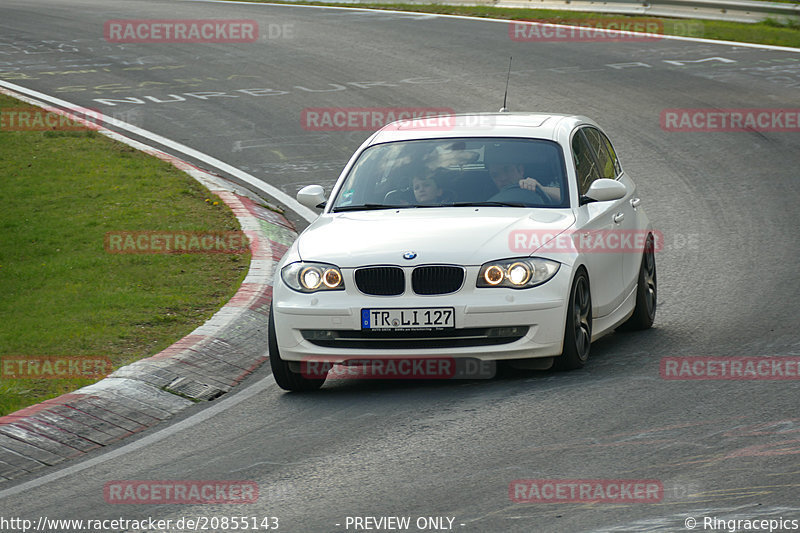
(585, 165)
(608, 166)
(613, 153)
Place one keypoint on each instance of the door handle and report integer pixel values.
(618, 217)
(635, 202)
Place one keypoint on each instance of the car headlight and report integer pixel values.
(312, 277)
(517, 273)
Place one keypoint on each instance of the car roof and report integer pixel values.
(529, 125)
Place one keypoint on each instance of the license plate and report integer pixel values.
(429, 318)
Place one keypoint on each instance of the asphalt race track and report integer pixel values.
(726, 203)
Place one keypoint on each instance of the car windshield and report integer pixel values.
(501, 172)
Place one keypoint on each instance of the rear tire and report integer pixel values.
(646, 292)
(284, 376)
(578, 329)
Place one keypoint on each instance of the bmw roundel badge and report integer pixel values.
(409, 255)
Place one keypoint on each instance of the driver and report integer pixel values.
(507, 172)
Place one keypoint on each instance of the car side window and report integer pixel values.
(613, 153)
(607, 163)
(585, 165)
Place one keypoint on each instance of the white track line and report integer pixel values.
(229, 402)
(261, 186)
(217, 407)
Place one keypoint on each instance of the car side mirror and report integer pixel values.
(312, 196)
(604, 190)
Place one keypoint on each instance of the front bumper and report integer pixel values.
(490, 323)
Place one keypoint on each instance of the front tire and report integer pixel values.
(646, 291)
(284, 376)
(578, 330)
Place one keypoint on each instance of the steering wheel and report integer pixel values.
(541, 192)
(521, 194)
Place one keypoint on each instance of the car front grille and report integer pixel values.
(381, 281)
(437, 279)
(425, 280)
(389, 340)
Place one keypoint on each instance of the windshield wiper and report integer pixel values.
(489, 204)
(367, 207)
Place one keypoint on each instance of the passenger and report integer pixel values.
(428, 189)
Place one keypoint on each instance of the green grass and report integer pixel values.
(774, 31)
(62, 293)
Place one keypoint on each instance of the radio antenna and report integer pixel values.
(505, 96)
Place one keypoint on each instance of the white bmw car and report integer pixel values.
(494, 237)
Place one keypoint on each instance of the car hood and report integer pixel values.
(456, 235)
